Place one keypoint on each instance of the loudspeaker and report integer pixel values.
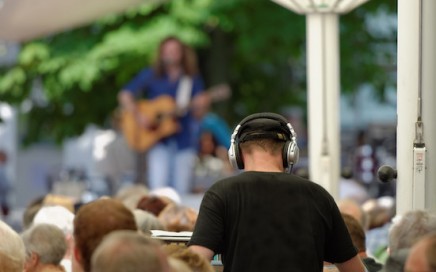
(264, 126)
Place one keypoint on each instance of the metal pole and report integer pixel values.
(428, 90)
(416, 130)
(323, 100)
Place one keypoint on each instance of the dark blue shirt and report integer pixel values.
(146, 84)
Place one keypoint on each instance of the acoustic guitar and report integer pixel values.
(163, 114)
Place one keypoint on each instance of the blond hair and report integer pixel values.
(12, 252)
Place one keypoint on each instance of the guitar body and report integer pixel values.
(161, 112)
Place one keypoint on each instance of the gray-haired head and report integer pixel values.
(412, 226)
(47, 242)
(147, 221)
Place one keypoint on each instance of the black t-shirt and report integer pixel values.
(261, 221)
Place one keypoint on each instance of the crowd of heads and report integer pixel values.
(406, 242)
(107, 234)
(115, 234)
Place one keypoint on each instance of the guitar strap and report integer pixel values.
(183, 94)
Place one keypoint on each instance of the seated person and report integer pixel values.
(422, 256)
(92, 223)
(46, 247)
(12, 252)
(125, 250)
(358, 237)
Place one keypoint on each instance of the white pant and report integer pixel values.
(168, 166)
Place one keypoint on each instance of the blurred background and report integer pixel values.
(62, 64)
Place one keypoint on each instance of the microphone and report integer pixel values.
(386, 174)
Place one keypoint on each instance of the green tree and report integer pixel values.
(255, 45)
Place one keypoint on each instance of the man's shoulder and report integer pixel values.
(269, 177)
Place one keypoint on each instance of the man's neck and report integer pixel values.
(262, 162)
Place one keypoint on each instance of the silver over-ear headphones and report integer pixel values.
(276, 124)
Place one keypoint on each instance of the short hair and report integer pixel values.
(356, 231)
(152, 204)
(96, 219)
(379, 211)
(178, 218)
(130, 195)
(129, 251)
(350, 207)
(195, 261)
(58, 216)
(272, 146)
(146, 221)
(47, 241)
(412, 226)
(12, 253)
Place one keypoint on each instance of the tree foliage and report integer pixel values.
(255, 45)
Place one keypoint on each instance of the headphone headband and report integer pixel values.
(264, 125)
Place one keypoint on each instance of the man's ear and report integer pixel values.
(31, 262)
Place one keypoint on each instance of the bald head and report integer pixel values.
(352, 208)
(129, 251)
(422, 256)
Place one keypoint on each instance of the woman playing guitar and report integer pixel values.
(163, 125)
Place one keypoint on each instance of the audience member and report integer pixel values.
(12, 253)
(358, 237)
(178, 218)
(167, 193)
(211, 163)
(62, 218)
(196, 262)
(422, 256)
(351, 207)
(153, 204)
(410, 227)
(246, 219)
(45, 247)
(146, 222)
(93, 221)
(380, 213)
(129, 251)
(130, 195)
(404, 233)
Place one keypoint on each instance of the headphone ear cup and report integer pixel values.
(285, 154)
(238, 157)
(235, 157)
(291, 154)
(232, 156)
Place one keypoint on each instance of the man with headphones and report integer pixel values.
(265, 219)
